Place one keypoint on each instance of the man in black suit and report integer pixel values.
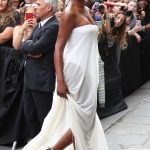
(39, 78)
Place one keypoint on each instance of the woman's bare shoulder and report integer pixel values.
(70, 11)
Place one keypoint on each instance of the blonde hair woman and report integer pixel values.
(60, 9)
(23, 31)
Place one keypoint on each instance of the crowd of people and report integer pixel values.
(64, 64)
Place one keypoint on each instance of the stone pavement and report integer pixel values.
(129, 129)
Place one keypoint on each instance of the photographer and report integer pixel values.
(111, 42)
(23, 31)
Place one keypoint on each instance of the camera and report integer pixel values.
(100, 8)
(129, 13)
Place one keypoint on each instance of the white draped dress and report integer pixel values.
(79, 111)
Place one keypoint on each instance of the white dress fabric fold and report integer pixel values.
(79, 111)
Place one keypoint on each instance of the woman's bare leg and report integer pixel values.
(64, 141)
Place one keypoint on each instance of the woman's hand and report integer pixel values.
(136, 29)
(138, 37)
(26, 24)
(62, 89)
(33, 22)
(30, 23)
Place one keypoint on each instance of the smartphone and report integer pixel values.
(138, 22)
(28, 16)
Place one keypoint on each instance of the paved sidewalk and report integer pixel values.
(130, 129)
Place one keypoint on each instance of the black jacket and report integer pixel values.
(40, 72)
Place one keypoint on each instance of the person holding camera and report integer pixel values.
(99, 10)
(130, 64)
(133, 24)
(112, 40)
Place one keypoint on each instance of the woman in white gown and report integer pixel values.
(73, 117)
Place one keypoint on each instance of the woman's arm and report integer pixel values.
(138, 37)
(6, 35)
(17, 37)
(107, 25)
(67, 24)
(136, 29)
(18, 33)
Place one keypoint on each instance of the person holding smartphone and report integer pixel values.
(29, 14)
(22, 32)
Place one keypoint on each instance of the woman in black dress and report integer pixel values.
(130, 62)
(11, 78)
